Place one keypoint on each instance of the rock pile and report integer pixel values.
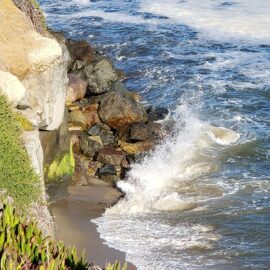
(108, 125)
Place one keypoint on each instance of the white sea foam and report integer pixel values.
(244, 19)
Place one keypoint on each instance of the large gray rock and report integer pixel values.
(100, 76)
(118, 109)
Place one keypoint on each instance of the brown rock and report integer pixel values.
(110, 156)
(86, 118)
(81, 50)
(144, 132)
(91, 114)
(76, 88)
(79, 119)
(135, 148)
(118, 109)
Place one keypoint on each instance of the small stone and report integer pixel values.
(107, 170)
(73, 107)
(110, 156)
(72, 127)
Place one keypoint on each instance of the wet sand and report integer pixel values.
(73, 224)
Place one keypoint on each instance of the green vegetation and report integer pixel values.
(23, 247)
(24, 122)
(61, 167)
(17, 176)
(116, 266)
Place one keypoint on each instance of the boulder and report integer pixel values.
(82, 51)
(143, 132)
(89, 147)
(156, 113)
(136, 148)
(100, 76)
(76, 88)
(39, 62)
(118, 109)
(110, 156)
(34, 13)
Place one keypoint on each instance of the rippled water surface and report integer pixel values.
(201, 199)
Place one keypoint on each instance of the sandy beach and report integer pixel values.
(73, 215)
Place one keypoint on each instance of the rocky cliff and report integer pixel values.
(33, 76)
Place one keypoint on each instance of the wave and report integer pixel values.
(218, 20)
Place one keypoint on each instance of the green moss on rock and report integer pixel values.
(24, 122)
(17, 176)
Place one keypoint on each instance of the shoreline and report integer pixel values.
(72, 218)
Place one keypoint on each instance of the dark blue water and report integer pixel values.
(201, 201)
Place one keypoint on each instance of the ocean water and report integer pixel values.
(201, 199)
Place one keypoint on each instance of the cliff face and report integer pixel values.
(33, 75)
(37, 61)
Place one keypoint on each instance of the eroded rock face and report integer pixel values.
(33, 13)
(118, 109)
(13, 89)
(37, 61)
